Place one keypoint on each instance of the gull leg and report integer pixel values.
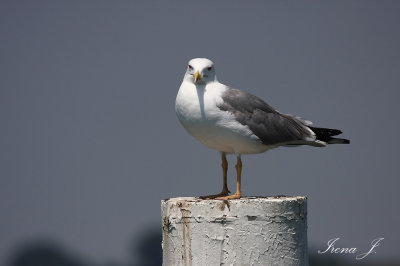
(225, 190)
(238, 193)
(224, 165)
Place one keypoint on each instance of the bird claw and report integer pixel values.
(234, 196)
(222, 194)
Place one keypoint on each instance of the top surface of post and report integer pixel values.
(260, 207)
(254, 201)
(243, 199)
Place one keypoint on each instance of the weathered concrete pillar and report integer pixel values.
(250, 231)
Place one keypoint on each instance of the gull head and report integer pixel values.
(200, 71)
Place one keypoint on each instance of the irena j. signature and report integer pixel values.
(335, 250)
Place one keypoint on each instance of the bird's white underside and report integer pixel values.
(197, 110)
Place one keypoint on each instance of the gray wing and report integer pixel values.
(270, 126)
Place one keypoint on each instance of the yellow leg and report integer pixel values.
(225, 190)
(238, 193)
(224, 173)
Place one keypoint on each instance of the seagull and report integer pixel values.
(232, 121)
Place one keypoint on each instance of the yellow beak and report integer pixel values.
(197, 76)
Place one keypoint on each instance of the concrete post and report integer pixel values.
(250, 231)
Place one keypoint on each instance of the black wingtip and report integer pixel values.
(337, 141)
(325, 134)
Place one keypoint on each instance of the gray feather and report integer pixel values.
(270, 126)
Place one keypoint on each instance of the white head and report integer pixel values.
(200, 71)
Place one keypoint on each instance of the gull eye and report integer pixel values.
(209, 68)
(190, 67)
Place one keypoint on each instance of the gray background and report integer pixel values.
(90, 144)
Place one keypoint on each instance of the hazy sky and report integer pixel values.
(90, 143)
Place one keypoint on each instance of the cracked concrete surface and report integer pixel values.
(249, 231)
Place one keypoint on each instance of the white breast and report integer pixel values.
(197, 110)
